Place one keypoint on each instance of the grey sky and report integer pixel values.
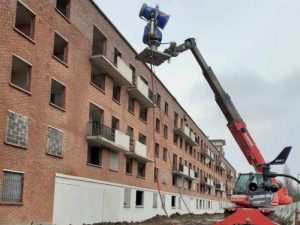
(253, 47)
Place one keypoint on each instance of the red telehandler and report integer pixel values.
(255, 193)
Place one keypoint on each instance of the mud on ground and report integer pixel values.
(186, 219)
(177, 219)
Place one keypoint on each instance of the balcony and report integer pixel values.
(184, 171)
(186, 134)
(230, 174)
(138, 151)
(193, 174)
(207, 182)
(101, 135)
(141, 92)
(207, 154)
(120, 73)
(221, 166)
(220, 187)
(181, 170)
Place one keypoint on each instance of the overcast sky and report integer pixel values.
(254, 49)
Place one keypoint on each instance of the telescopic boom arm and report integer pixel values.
(235, 124)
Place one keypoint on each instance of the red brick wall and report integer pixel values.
(40, 168)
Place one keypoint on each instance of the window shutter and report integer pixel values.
(154, 200)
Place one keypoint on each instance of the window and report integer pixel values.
(174, 180)
(94, 155)
(166, 108)
(175, 140)
(96, 114)
(127, 197)
(139, 198)
(141, 167)
(131, 102)
(99, 42)
(173, 201)
(165, 154)
(142, 138)
(117, 93)
(158, 100)
(156, 174)
(17, 129)
(133, 76)
(20, 73)
(25, 20)
(12, 187)
(175, 120)
(57, 96)
(128, 165)
(157, 125)
(60, 50)
(63, 6)
(98, 79)
(130, 132)
(165, 131)
(114, 162)
(154, 200)
(180, 142)
(55, 142)
(157, 150)
(143, 114)
(117, 54)
(115, 123)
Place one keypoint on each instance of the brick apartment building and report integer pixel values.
(76, 120)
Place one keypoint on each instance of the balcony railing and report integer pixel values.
(138, 151)
(207, 154)
(120, 73)
(96, 128)
(220, 187)
(221, 166)
(186, 134)
(101, 135)
(207, 181)
(230, 174)
(141, 92)
(182, 170)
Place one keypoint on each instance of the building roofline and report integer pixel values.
(136, 53)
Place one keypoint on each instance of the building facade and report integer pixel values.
(89, 133)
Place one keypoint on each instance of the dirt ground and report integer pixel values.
(187, 219)
(177, 219)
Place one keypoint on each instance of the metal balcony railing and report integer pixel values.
(97, 128)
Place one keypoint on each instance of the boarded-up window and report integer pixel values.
(163, 200)
(55, 142)
(155, 200)
(12, 187)
(17, 129)
(127, 197)
(114, 162)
